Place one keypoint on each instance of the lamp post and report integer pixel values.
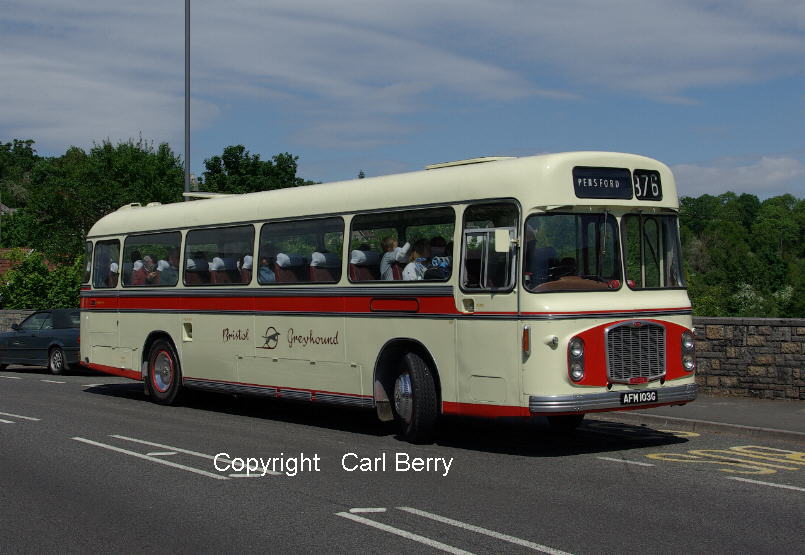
(186, 97)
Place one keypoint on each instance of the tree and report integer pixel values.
(17, 158)
(237, 171)
(70, 193)
(32, 285)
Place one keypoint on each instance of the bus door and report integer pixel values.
(487, 341)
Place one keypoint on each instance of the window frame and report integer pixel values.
(516, 263)
(187, 249)
(179, 271)
(677, 246)
(259, 251)
(95, 266)
(619, 254)
(400, 232)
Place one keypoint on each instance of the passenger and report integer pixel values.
(393, 255)
(415, 269)
(265, 274)
(438, 246)
(150, 269)
(169, 269)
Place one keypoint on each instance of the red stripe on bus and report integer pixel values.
(475, 409)
(124, 372)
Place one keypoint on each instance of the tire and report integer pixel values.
(565, 422)
(414, 400)
(164, 373)
(57, 362)
(3, 366)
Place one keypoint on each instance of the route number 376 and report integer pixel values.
(647, 185)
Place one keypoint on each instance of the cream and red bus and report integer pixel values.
(495, 287)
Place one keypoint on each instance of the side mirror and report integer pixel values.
(15, 326)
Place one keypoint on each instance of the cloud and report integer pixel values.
(764, 176)
(354, 73)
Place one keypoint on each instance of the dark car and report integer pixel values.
(46, 338)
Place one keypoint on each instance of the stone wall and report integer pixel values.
(8, 317)
(751, 357)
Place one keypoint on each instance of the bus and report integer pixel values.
(546, 285)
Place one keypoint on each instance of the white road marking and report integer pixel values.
(152, 459)
(405, 534)
(784, 486)
(486, 532)
(19, 416)
(161, 453)
(51, 381)
(6, 421)
(185, 451)
(11, 377)
(624, 461)
(249, 475)
(368, 510)
(93, 385)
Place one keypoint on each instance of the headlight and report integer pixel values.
(687, 342)
(576, 371)
(576, 348)
(689, 362)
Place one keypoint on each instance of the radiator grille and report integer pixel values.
(635, 350)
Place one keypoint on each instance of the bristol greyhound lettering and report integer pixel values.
(305, 340)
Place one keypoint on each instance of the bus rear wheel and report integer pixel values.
(415, 400)
(565, 422)
(164, 373)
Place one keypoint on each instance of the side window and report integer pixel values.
(34, 322)
(219, 256)
(106, 265)
(47, 323)
(151, 260)
(487, 265)
(407, 245)
(87, 262)
(306, 251)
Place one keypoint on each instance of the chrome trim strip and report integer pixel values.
(341, 399)
(609, 400)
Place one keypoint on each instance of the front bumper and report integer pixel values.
(609, 400)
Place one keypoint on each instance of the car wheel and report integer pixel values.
(415, 400)
(57, 363)
(565, 422)
(164, 373)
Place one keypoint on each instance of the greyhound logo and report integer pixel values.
(272, 337)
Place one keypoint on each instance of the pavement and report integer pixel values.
(776, 419)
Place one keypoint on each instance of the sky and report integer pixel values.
(715, 89)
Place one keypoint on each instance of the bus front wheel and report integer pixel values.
(164, 373)
(415, 403)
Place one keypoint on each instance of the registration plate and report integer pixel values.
(638, 397)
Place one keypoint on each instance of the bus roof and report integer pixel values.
(536, 181)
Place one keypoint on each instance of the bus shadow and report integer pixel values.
(531, 438)
(535, 438)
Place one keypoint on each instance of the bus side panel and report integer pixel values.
(367, 336)
(488, 367)
(301, 352)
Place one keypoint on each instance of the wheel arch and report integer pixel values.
(153, 337)
(386, 364)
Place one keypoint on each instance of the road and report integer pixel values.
(88, 464)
